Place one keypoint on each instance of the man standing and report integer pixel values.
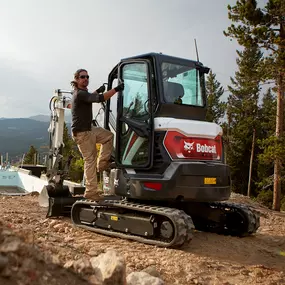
(85, 135)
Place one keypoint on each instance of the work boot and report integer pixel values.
(94, 196)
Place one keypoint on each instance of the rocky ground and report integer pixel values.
(36, 250)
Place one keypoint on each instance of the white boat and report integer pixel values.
(19, 181)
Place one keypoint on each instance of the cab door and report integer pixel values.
(134, 134)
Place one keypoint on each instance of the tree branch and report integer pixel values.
(268, 47)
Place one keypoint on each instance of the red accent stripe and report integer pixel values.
(153, 185)
(133, 140)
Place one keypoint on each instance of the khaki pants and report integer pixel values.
(86, 142)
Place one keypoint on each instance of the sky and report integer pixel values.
(44, 42)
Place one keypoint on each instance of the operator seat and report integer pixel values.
(173, 92)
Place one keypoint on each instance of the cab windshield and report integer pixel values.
(181, 84)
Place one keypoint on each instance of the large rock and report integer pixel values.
(110, 268)
(82, 265)
(10, 245)
(151, 270)
(143, 278)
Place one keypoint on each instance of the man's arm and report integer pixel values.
(87, 97)
(95, 97)
(113, 91)
(107, 95)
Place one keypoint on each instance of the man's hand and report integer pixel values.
(101, 89)
(120, 87)
(113, 91)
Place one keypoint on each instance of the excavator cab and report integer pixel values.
(156, 86)
(164, 149)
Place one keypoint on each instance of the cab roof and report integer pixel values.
(163, 57)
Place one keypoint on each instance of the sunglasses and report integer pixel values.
(84, 76)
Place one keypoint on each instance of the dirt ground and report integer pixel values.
(209, 258)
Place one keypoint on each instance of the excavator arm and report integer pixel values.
(58, 170)
(58, 104)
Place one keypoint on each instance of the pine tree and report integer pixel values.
(242, 110)
(70, 149)
(266, 116)
(216, 108)
(68, 143)
(272, 147)
(265, 27)
(31, 155)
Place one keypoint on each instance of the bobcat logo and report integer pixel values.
(188, 146)
(116, 182)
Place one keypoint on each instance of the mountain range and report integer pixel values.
(18, 134)
(45, 118)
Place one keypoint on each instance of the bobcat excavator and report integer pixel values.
(169, 176)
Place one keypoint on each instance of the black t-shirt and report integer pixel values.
(81, 109)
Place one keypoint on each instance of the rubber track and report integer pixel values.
(251, 220)
(183, 224)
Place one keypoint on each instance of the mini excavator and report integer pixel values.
(168, 175)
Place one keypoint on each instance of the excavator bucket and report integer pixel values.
(58, 199)
(52, 191)
(44, 197)
(61, 206)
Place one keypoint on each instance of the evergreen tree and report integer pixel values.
(265, 27)
(216, 108)
(271, 148)
(68, 143)
(30, 157)
(267, 114)
(70, 149)
(242, 111)
(267, 120)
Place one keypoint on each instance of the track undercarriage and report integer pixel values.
(161, 225)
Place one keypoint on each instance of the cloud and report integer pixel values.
(21, 94)
(44, 42)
